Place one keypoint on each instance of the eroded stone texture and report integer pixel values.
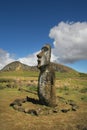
(46, 81)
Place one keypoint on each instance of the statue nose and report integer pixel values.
(38, 55)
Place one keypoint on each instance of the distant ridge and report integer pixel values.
(62, 68)
(18, 66)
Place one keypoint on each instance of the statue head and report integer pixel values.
(44, 56)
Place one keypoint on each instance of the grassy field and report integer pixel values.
(70, 87)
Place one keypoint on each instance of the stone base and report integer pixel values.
(32, 106)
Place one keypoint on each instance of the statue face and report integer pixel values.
(44, 56)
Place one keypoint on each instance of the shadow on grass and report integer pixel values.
(34, 101)
(24, 100)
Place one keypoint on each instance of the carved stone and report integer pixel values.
(46, 80)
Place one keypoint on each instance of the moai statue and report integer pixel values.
(46, 87)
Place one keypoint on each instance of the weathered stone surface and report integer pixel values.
(16, 107)
(21, 109)
(46, 81)
(33, 112)
(16, 102)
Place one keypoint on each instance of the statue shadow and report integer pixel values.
(29, 99)
(34, 101)
(19, 102)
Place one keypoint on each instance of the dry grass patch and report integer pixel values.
(11, 119)
(69, 88)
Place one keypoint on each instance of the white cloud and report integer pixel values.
(5, 58)
(29, 60)
(70, 42)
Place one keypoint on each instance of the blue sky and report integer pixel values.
(26, 25)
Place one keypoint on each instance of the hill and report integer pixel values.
(18, 66)
(62, 68)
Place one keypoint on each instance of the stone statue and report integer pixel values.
(46, 87)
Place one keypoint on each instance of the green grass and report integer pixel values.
(19, 74)
(83, 90)
(63, 89)
(32, 88)
(84, 98)
(36, 73)
(65, 75)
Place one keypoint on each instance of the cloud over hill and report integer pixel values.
(5, 58)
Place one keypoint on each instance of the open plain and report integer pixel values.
(70, 87)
